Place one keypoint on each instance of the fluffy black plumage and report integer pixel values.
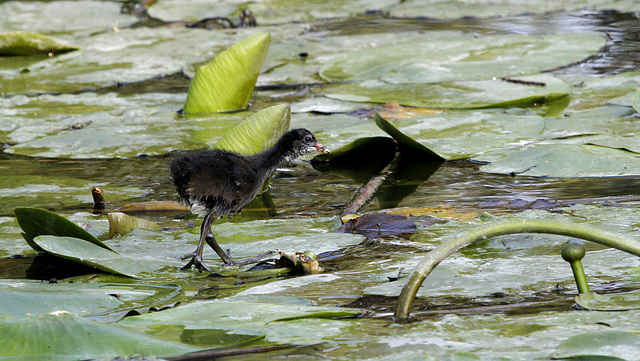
(216, 182)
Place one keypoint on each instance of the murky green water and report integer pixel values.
(311, 190)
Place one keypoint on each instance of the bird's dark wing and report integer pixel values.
(219, 181)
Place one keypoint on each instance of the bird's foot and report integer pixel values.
(196, 260)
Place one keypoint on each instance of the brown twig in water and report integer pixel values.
(525, 82)
(368, 190)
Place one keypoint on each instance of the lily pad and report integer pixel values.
(29, 43)
(80, 251)
(93, 300)
(523, 92)
(226, 83)
(452, 56)
(610, 344)
(456, 135)
(244, 317)
(565, 160)
(63, 336)
(609, 302)
(37, 222)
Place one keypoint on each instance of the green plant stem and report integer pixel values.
(581, 278)
(452, 245)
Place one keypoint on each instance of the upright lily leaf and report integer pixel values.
(37, 222)
(77, 250)
(29, 43)
(63, 336)
(403, 139)
(227, 81)
(258, 132)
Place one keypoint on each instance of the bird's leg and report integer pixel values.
(226, 258)
(196, 256)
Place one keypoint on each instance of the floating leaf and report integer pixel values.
(80, 251)
(63, 336)
(610, 302)
(258, 132)
(567, 160)
(37, 222)
(520, 92)
(97, 300)
(29, 43)
(451, 56)
(120, 223)
(324, 315)
(226, 82)
(246, 315)
(621, 345)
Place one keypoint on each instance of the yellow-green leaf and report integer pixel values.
(258, 132)
(226, 82)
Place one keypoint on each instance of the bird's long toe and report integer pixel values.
(196, 261)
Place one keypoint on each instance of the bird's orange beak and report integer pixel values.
(321, 148)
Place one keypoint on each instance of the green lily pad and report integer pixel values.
(456, 135)
(257, 133)
(94, 300)
(452, 56)
(243, 317)
(226, 83)
(610, 302)
(63, 336)
(522, 92)
(37, 222)
(610, 344)
(29, 43)
(88, 254)
(567, 160)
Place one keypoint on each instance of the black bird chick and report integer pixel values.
(216, 182)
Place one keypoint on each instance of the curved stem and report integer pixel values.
(450, 246)
(580, 277)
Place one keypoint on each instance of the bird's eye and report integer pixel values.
(308, 138)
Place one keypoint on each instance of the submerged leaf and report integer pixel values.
(37, 222)
(258, 132)
(30, 43)
(226, 82)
